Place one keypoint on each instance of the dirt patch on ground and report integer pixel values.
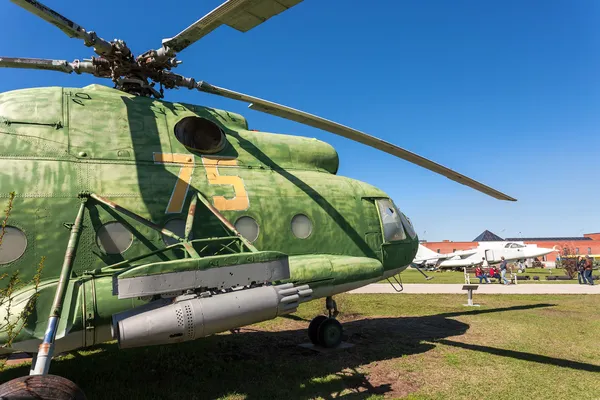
(350, 316)
(374, 338)
(389, 381)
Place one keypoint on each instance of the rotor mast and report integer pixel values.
(115, 60)
(139, 75)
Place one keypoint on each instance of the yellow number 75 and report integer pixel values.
(238, 203)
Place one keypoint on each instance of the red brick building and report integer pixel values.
(589, 243)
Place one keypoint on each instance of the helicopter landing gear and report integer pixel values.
(41, 387)
(326, 331)
(331, 306)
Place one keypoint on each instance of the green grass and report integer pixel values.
(406, 346)
(413, 276)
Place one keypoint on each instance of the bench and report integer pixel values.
(468, 271)
(512, 277)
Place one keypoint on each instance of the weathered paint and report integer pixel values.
(190, 264)
(59, 142)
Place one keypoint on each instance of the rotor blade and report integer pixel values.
(49, 65)
(352, 134)
(66, 25)
(242, 15)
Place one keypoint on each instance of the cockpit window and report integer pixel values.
(391, 220)
(410, 229)
(513, 246)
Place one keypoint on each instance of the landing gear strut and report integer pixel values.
(331, 307)
(326, 331)
(39, 384)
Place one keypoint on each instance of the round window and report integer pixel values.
(177, 226)
(114, 238)
(200, 134)
(13, 244)
(301, 226)
(247, 227)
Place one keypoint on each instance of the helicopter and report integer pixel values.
(162, 222)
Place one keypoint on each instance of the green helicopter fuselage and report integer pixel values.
(281, 192)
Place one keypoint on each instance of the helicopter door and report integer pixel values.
(489, 255)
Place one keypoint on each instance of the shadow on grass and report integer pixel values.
(478, 311)
(520, 355)
(258, 364)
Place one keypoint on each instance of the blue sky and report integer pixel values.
(505, 92)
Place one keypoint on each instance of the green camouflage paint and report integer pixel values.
(60, 142)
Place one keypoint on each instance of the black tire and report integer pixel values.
(313, 328)
(41, 387)
(330, 333)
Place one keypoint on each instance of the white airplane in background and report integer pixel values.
(491, 251)
(429, 258)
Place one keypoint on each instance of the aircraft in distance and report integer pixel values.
(161, 222)
(491, 251)
(427, 258)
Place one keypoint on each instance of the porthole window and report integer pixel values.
(13, 244)
(114, 238)
(301, 226)
(177, 226)
(247, 227)
(200, 134)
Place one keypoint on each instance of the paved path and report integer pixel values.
(530, 288)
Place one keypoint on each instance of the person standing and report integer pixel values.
(503, 265)
(589, 265)
(581, 270)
